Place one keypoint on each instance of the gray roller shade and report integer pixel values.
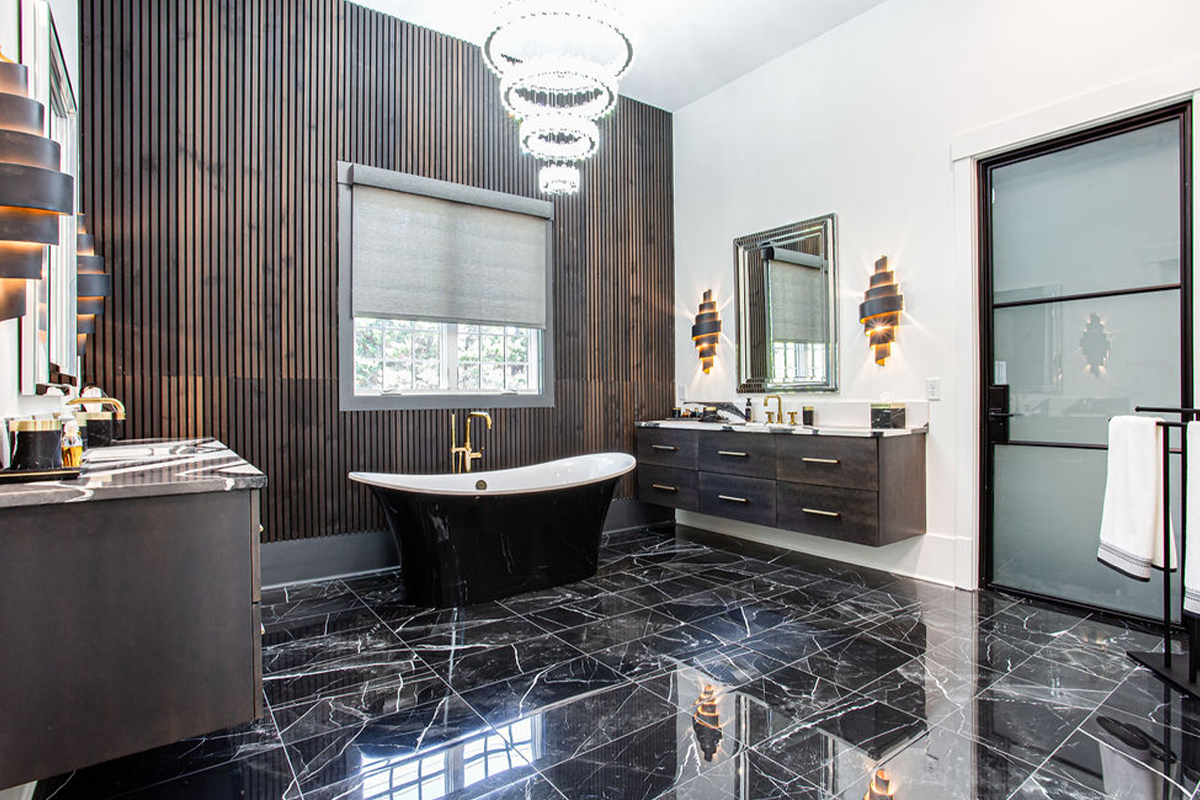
(428, 258)
(796, 293)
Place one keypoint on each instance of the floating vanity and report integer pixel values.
(130, 612)
(857, 485)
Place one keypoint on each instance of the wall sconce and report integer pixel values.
(1095, 344)
(33, 190)
(880, 788)
(880, 310)
(92, 284)
(706, 331)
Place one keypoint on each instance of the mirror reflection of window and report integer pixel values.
(787, 309)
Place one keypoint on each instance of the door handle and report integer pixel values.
(733, 453)
(667, 447)
(821, 460)
(819, 512)
(664, 488)
(732, 499)
(1002, 414)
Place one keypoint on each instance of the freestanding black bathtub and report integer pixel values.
(480, 536)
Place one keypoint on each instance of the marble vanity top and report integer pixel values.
(795, 430)
(143, 468)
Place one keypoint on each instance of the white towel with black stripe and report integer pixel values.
(1131, 529)
(1191, 560)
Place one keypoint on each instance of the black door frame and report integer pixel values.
(1178, 110)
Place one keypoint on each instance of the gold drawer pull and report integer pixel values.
(665, 488)
(733, 453)
(821, 460)
(820, 512)
(732, 499)
(664, 447)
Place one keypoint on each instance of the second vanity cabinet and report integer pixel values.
(868, 489)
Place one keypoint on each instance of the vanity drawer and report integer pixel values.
(751, 454)
(851, 515)
(735, 497)
(848, 461)
(666, 447)
(667, 486)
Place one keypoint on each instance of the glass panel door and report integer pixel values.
(1083, 256)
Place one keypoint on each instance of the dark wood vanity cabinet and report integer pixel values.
(863, 489)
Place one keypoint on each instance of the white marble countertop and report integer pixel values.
(793, 430)
(143, 468)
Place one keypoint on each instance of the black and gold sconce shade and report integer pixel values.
(706, 723)
(880, 788)
(92, 284)
(34, 193)
(706, 331)
(880, 310)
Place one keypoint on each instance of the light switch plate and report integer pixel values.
(933, 388)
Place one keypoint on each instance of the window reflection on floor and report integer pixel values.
(433, 775)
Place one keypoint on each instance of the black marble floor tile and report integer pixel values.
(336, 664)
(582, 612)
(618, 630)
(856, 662)
(798, 639)
(376, 750)
(469, 670)
(947, 766)
(849, 736)
(1124, 759)
(232, 756)
(532, 693)
(817, 673)
(647, 656)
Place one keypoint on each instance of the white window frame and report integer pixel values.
(350, 175)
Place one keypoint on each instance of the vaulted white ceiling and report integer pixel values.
(684, 49)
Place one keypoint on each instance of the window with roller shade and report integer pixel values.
(444, 294)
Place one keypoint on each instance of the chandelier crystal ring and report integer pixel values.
(526, 29)
(559, 137)
(562, 85)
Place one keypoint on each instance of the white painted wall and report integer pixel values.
(861, 122)
(66, 20)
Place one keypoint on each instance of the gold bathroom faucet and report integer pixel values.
(117, 405)
(463, 455)
(778, 415)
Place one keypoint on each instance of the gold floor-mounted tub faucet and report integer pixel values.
(463, 455)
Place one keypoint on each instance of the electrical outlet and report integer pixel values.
(933, 388)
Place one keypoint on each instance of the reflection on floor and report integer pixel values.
(692, 667)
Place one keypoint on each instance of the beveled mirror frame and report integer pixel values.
(747, 318)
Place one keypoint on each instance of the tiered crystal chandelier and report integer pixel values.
(558, 62)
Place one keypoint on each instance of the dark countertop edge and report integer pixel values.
(48, 493)
(798, 430)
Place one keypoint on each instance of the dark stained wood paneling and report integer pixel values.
(211, 131)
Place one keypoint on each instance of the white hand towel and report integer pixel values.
(1131, 529)
(1191, 565)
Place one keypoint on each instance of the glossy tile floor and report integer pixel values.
(819, 673)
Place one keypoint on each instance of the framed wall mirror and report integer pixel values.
(47, 331)
(786, 280)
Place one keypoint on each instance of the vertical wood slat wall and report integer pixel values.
(211, 131)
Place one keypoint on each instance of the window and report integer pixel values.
(407, 356)
(444, 294)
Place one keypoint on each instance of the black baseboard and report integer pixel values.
(301, 560)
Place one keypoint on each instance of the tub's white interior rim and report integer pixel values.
(531, 479)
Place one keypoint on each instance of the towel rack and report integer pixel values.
(1162, 664)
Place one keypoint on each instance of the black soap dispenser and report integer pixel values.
(749, 410)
